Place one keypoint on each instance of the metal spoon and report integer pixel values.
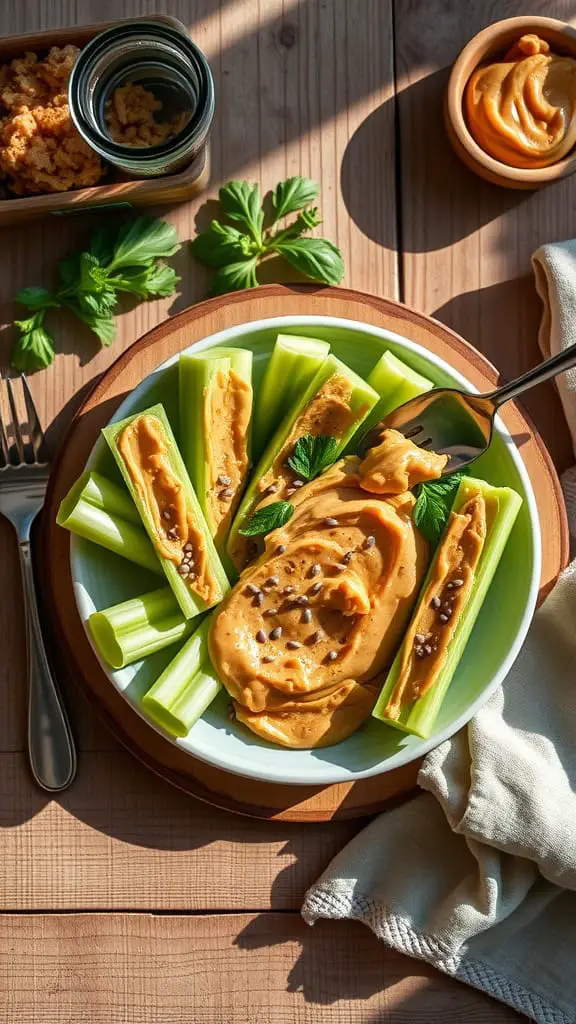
(454, 423)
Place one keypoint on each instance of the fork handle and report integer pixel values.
(551, 367)
(50, 744)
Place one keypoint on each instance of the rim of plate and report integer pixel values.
(326, 773)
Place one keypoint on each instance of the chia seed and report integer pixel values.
(173, 534)
(315, 569)
(457, 583)
(427, 649)
(224, 480)
(306, 616)
(280, 549)
(302, 601)
(271, 611)
(276, 633)
(315, 637)
(444, 618)
(435, 602)
(166, 514)
(347, 557)
(267, 659)
(272, 581)
(329, 521)
(370, 541)
(340, 567)
(270, 490)
(297, 483)
(290, 492)
(227, 494)
(293, 645)
(288, 590)
(419, 638)
(331, 656)
(316, 588)
(252, 588)
(258, 599)
(261, 636)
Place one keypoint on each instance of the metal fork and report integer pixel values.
(24, 471)
(455, 423)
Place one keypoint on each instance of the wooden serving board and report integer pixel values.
(246, 796)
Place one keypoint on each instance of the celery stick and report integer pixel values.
(363, 398)
(102, 493)
(215, 418)
(190, 602)
(103, 513)
(177, 678)
(503, 505)
(134, 629)
(291, 367)
(179, 717)
(396, 383)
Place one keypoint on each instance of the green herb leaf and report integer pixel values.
(317, 258)
(271, 517)
(312, 455)
(33, 350)
(242, 202)
(143, 240)
(69, 271)
(103, 241)
(99, 320)
(293, 194)
(147, 282)
(36, 298)
(221, 244)
(235, 277)
(433, 503)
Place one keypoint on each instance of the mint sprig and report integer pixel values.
(119, 258)
(433, 504)
(312, 455)
(271, 517)
(236, 251)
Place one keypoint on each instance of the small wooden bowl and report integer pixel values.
(493, 42)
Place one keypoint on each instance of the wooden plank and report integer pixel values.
(268, 968)
(467, 244)
(293, 83)
(121, 838)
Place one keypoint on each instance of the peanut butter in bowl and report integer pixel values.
(521, 110)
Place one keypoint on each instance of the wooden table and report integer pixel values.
(122, 900)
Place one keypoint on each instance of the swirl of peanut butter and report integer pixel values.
(522, 110)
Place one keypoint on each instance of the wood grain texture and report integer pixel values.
(245, 795)
(466, 243)
(122, 838)
(269, 968)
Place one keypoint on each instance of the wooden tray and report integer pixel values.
(119, 191)
(246, 796)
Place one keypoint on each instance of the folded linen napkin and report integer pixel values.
(478, 874)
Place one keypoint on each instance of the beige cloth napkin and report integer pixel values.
(478, 874)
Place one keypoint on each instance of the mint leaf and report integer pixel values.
(234, 277)
(221, 244)
(36, 298)
(143, 240)
(293, 194)
(312, 455)
(147, 282)
(268, 518)
(317, 258)
(33, 350)
(242, 202)
(433, 503)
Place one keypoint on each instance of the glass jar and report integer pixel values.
(161, 57)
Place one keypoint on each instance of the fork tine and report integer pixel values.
(4, 456)
(15, 425)
(37, 439)
(411, 434)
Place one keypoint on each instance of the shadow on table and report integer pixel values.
(429, 175)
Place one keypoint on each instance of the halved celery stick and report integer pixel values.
(134, 629)
(172, 701)
(396, 383)
(291, 367)
(272, 466)
(502, 507)
(215, 415)
(213, 579)
(105, 514)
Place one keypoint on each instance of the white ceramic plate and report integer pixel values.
(101, 579)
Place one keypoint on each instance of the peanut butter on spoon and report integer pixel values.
(521, 110)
